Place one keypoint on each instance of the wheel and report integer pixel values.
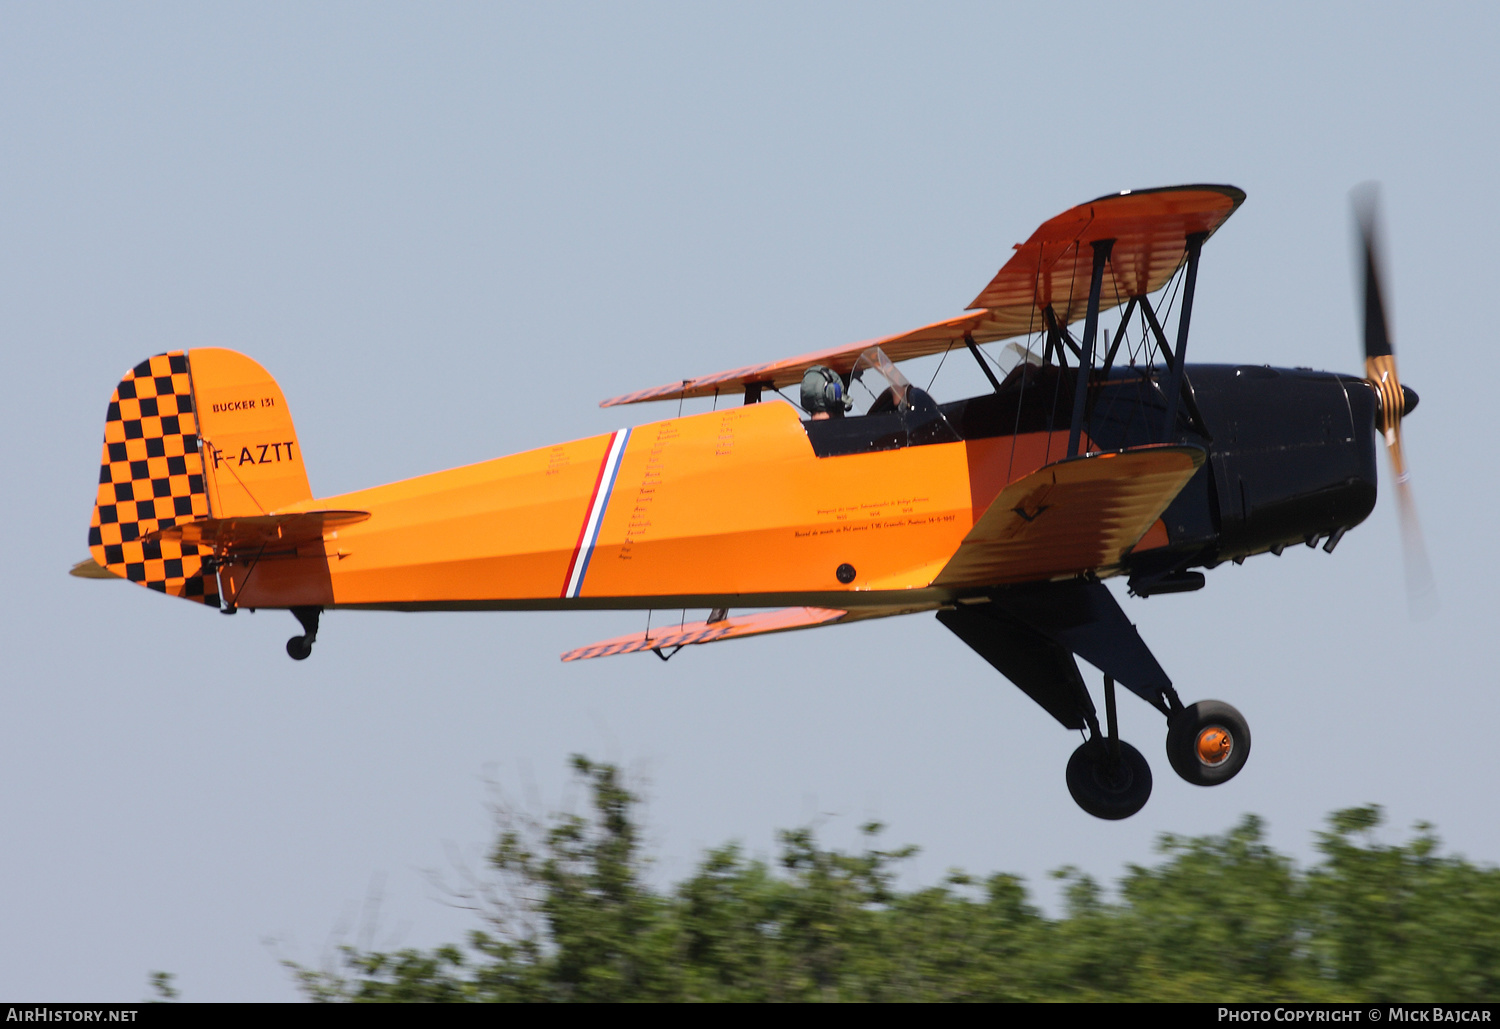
(298, 648)
(1107, 787)
(1208, 742)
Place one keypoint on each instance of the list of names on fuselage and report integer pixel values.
(640, 513)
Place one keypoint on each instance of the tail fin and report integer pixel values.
(188, 436)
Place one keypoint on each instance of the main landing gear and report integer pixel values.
(1207, 744)
(1034, 634)
(299, 647)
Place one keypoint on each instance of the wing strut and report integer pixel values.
(984, 365)
(1057, 335)
(1114, 348)
(1174, 392)
(1101, 249)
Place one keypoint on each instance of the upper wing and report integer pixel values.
(1051, 269)
(929, 339)
(1075, 516)
(1150, 228)
(784, 620)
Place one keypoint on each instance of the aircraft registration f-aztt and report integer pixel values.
(1003, 513)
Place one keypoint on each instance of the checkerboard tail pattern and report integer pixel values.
(151, 477)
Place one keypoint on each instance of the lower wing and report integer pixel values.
(725, 628)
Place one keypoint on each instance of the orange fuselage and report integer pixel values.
(725, 508)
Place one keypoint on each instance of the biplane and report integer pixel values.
(1090, 457)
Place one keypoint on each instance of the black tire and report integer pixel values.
(1106, 787)
(297, 648)
(1208, 743)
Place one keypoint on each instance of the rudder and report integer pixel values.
(251, 458)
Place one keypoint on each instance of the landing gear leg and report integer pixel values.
(299, 647)
(1107, 776)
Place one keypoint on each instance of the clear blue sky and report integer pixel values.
(450, 230)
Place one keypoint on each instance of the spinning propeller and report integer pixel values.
(1395, 400)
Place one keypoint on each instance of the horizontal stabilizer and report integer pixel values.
(1079, 515)
(88, 568)
(784, 620)
(250, 534)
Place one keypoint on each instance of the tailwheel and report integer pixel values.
(1109, 778)
(299, 647)
(1208, 742)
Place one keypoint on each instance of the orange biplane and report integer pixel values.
(1002, 512)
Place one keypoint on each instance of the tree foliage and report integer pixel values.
(569, 916)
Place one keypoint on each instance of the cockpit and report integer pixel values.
(873, 407)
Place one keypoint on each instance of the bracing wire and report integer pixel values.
(939, 367)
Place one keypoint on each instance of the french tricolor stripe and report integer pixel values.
(603, 486)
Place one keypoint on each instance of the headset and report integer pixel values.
(823, 392)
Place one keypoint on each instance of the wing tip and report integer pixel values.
(1234, 193)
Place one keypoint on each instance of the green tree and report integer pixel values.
(1403, 922)
(570, 915)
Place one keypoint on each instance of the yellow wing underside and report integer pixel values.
(1076, 516)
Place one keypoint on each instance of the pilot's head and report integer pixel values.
(823, 393)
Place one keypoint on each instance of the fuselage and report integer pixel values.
(752, 506)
